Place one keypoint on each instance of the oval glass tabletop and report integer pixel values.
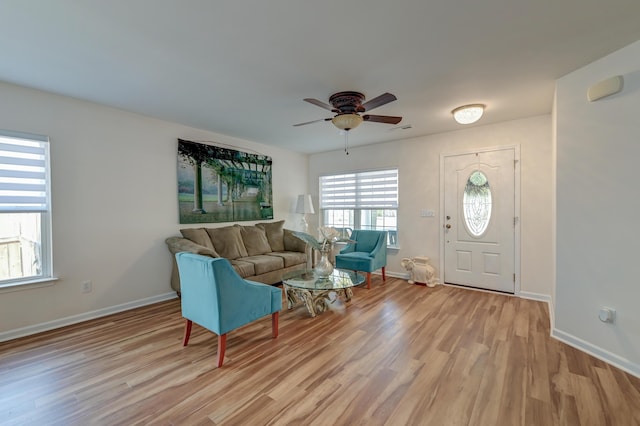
(308, 280)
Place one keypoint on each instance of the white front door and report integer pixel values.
(479, 219)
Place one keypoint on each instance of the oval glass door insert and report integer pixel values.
(476, 203)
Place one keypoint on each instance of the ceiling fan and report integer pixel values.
(349, 105)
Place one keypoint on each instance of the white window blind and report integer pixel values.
(376, 189)
(24, 173)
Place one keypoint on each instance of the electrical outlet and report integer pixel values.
(86, 286)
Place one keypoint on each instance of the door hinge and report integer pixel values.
(515, 220)
(515, 162)
(514, 278)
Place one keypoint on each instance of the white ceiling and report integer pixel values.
(242, 68)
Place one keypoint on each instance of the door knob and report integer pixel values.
(448, 226)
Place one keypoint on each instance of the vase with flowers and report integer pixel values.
(323, 267)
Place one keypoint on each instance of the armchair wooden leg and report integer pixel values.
(187, 331)
(368, 280)
(384, 277)
(222, 346)
(274, 324)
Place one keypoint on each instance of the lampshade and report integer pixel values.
(468, 114)
(346, 121)
(304, 204)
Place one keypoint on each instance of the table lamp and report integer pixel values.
(304, 206)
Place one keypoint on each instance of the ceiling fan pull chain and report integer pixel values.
(346, 142)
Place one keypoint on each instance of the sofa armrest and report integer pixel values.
(293, 243)
(180, 244)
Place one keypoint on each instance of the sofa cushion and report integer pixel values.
(244, 269)
(275, 234)
(265, 263)
(255, 240)
(198, 236)
(291, 258)
(227, 241)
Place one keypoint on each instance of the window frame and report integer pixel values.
(359, 204)
(46, 243)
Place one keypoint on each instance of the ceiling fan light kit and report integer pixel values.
(346, 121)
(468, 114)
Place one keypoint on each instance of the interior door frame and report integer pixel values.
(516, 206)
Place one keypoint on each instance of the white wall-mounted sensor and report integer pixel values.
(604, 88)
(606, 314)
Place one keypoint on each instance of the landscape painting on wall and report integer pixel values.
(217, 184)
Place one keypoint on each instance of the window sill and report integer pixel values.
(389, 248)
(28, 285)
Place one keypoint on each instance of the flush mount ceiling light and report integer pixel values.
(346, 121)
(468, 114)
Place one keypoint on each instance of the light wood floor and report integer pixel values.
(398, 355)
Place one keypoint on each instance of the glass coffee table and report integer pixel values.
(304, 285)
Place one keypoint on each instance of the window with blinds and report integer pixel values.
(25, 243)
(361, 200)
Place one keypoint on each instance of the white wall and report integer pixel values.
(598, 205)
(418, 161)
(114, 202)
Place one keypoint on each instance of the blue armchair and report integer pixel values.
(217, 298)
(367, 254)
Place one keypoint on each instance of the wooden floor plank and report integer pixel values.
(397, 354)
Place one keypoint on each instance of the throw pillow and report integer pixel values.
(275, 234)
(255, 240)
(227, 241)
(198, 236)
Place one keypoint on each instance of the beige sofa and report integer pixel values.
(261, 252)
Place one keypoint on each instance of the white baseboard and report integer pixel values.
(552, 315)
(393, 274)
(534, 296)
(74, 319)
(596, 351)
